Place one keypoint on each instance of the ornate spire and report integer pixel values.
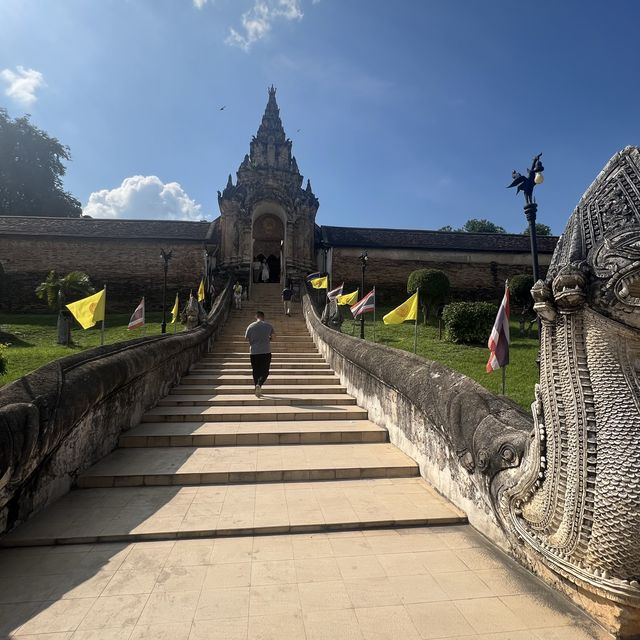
(270, 148)
(271, 125)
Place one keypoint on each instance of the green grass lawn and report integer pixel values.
(32, 343)
(522, 372)
(32, 339)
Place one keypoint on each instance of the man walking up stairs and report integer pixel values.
(259, 335)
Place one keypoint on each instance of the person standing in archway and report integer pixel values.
(257, 265)
(259, 335)
(237, 295)
(265, 271)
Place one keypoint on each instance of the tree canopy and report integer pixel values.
(520, 288)
(433, 286)
(475, 225)
(31, 170)
(541, 230)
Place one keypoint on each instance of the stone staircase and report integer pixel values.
(211, 459)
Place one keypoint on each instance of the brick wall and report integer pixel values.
(473, 276)
(130, 268)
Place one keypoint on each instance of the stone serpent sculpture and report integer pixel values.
(574, 503)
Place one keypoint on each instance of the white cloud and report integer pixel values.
(22, 84)
(257, 21)
(145, 197)
(199, 3)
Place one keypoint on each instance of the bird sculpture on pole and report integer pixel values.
(528, 182)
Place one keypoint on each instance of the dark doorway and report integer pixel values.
(274, 268)
(268, 240)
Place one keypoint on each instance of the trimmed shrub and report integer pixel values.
(520, 288)
(469, 322)
(434, 289)
(522, 302)
(3, 359)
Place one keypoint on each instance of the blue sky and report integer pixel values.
(411, 113)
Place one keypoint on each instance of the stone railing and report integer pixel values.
(60, 419)
(464, 438)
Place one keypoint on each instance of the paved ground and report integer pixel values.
(402, 584)
(139, 513)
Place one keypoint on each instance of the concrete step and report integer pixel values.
(242, 371)
(219, 434)
(269, 399)
(278, 338)
(275, 348)
(244, 360)
(277, 357)
(254, 413)
(167, 513)
(247, 389)
(274, 380)
(179, 466)
(246, 364)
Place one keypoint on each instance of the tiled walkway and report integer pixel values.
(224, 516)
(403, 584)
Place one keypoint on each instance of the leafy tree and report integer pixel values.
(57, 290)
(31, 170)
(520, 289)
(433, 286)
(541, 230)
(475, 225)
(447, 227)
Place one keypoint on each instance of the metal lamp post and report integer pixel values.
(166, 256)
(526, 184)
(364, 258)
(324, 246)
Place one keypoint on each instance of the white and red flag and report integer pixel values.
(334, 293)
(367, 304)
(499, 338)
(137, 319)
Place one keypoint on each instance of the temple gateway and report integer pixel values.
(267, 214)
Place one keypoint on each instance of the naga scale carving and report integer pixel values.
(574, 502)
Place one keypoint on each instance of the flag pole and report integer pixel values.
(103, 316)
(374, 315)
(415, 326)
(504, 369)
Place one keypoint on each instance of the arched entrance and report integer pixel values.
(268, 245)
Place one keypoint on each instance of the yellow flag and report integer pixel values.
(320, 283)
(89, 310)
(175, 310)
(408, 310)
(348, 298)
(201, 291)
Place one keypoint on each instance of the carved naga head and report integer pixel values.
(597, 260)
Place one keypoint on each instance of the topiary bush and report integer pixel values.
(522, 302)
(433, 286)
(3, 359)
(469, 322)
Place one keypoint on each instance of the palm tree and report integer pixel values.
(57, 290)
